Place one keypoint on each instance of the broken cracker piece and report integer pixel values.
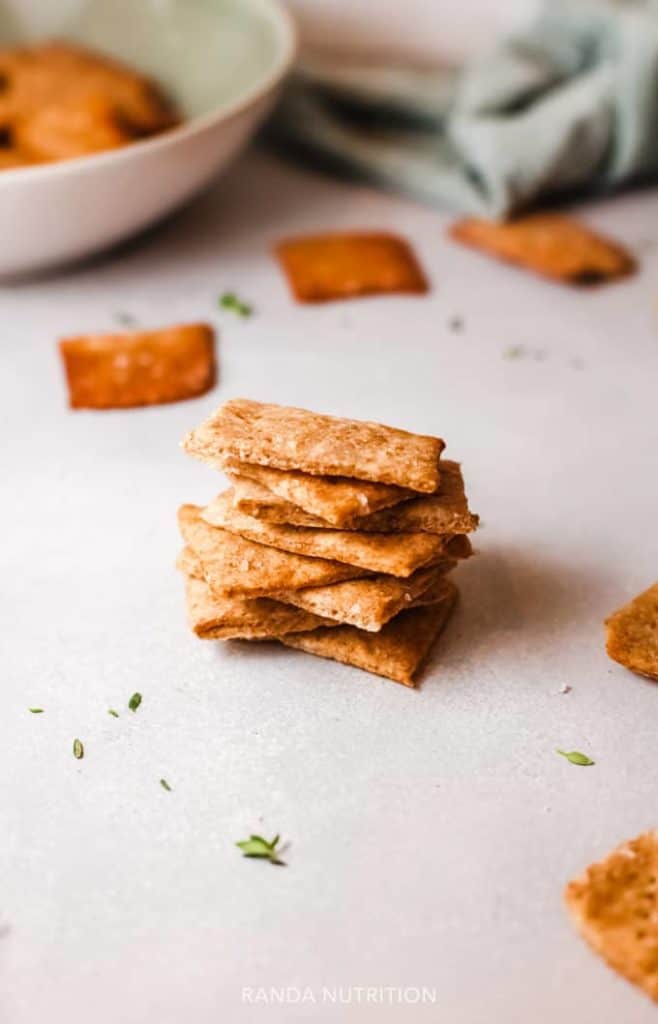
(320, 268)
(239, 618)
(397, 652)
(444, 512)
(632, 634)
(233, 565)
(117, 371)
(548, 244)
(614, 906)
(329, 499)
(395, 554)
(288, 438)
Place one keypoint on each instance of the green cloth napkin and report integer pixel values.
(570, 103)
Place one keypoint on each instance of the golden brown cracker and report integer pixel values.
(396, 652)
(614, 906)
(548, 244)
(62, 131)
(370, 603)
(335, 500)
(238, 618)
(12, 157)
(233, 565)
(255, 500)
(632, 634)
(437, 591)
(62, 74)
(114, 371)
(320, 268)
(445, 512)
(394, 554)
(287, 438)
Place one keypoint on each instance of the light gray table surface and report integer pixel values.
(430, 832)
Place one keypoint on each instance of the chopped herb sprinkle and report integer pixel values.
(78, 750)
(165, 785)
(230, 301)
(35, 711)
(575, 757)
(256, 846)
(111, 711)
(135, 701)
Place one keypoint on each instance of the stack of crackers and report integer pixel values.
(336, 537)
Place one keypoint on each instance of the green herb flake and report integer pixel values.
(165, 785)
(35, 711)
(111, 711)
(256, 846)
(230, 301)
(125, 319)
(135, 701)
(78, 750)
(575, 757)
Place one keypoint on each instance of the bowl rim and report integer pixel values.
(286, 31)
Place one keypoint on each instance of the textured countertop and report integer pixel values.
(431, 832)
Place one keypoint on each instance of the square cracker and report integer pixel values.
(343, 266)
(239, 618)
(614, 906)
(632, 634)
(287, 438)
(397, 652)
(395, 554)
(232, 565)
(370, 603)
(334, 500)
(548, 244)
(444, 512)
(118, 371)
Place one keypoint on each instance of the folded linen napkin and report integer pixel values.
(570, 103)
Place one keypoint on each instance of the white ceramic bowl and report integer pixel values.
(221, 60)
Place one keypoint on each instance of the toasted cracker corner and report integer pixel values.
(614, 905)
(632, 634)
